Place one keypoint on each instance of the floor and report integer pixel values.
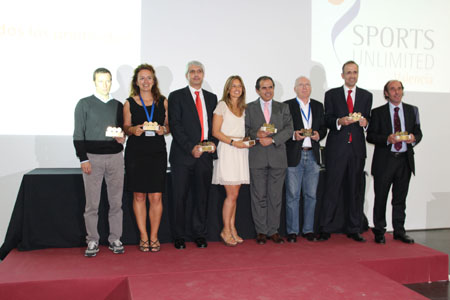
(438, 239)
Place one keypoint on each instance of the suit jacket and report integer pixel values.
(335, 108)
(185, 124)
(274, 155)
(294, 148)
(380, 128)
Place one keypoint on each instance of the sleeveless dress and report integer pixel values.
(146, 156)
(231, 168)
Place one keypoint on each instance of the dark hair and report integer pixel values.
(134, 91)
(350, 62)
(258, 81)
(386, 87)
(101, 70)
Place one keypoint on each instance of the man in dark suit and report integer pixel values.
(345, 153)
(393, 159)
(303, 160)
(190, 120)
(267, 160)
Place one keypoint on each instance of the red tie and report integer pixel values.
(350, 109)
(397, 128)
(198, 104)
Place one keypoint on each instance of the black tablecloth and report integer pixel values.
(50, 204)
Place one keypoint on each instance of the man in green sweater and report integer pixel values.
(100, 157)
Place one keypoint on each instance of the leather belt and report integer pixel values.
(398, 154)
(307, 149)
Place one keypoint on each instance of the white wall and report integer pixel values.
(39, 89)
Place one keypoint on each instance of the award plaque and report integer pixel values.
(206, 146)
(150, 126)
(306, 132)
(402, 136)
(114, 132)
(249, 142)
(269, 128)
(354, 116)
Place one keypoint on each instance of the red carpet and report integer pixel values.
(337, 269)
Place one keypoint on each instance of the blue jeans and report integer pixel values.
(304, 177)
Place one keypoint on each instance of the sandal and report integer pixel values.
(228, 239)
(236, 237)
(155, 246)
(144, 246)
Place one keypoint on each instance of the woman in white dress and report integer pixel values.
(231, 169)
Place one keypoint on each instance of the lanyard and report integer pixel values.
(149, 118)
(303, 113)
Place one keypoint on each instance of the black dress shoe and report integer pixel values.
(323, 236)
(379, 239)
(404, 238)
(309, 236)
(356, 237)
(179, 244)
(292, 238)
(261, 239)
(201, 242)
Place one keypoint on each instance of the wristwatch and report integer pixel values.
(231, 142)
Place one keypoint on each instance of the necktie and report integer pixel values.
(266, 112)
(397, 128)
(350, 109)
(198, 104)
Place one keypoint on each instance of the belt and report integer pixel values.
(307, 149)
(398, 154)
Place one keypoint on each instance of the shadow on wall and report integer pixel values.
(437, 210)
(318, 81)
(165, 78)
(124, 75)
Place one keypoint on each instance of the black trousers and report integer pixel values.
(196, 181)
(343, 181)
(398, 174)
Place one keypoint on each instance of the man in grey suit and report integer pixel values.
(267, 159)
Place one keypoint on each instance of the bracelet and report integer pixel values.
(231, 143)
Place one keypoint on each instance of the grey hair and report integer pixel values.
(194, 63)
(298, 79)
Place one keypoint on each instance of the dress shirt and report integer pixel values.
(352, 95)
(261, 101)
(99, 97)
(205, 113)
(402, 124)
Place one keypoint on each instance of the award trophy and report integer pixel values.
(206, 146)
(402, 136)
(249, 142)
(306, 132)
(150, 126)
(269, 128)
(114, 132)
(354, 116)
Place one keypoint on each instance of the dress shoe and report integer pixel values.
(292, 238)
(404, 238)
(261, 238)
(276, 238)
(356, 237)
(323, 236)
(379, 239)
(310, 236)
(201, 242)
(179, 244)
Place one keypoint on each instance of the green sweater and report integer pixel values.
(92, 117)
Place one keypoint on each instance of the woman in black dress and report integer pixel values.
(145, 153)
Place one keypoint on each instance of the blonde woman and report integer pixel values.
(231, 169)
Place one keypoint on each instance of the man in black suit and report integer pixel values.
(393, 158)
(303, 159)
(190, 120)
(345, 153)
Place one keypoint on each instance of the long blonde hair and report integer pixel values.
(226, 94)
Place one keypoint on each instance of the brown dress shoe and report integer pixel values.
(261, 238)
(276, 238)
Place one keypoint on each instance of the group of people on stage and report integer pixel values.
(213, 144)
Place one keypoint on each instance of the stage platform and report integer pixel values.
(336, 269)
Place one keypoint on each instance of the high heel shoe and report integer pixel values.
(236, 237)
(228, 239)
(155, 246)
(144, 246)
